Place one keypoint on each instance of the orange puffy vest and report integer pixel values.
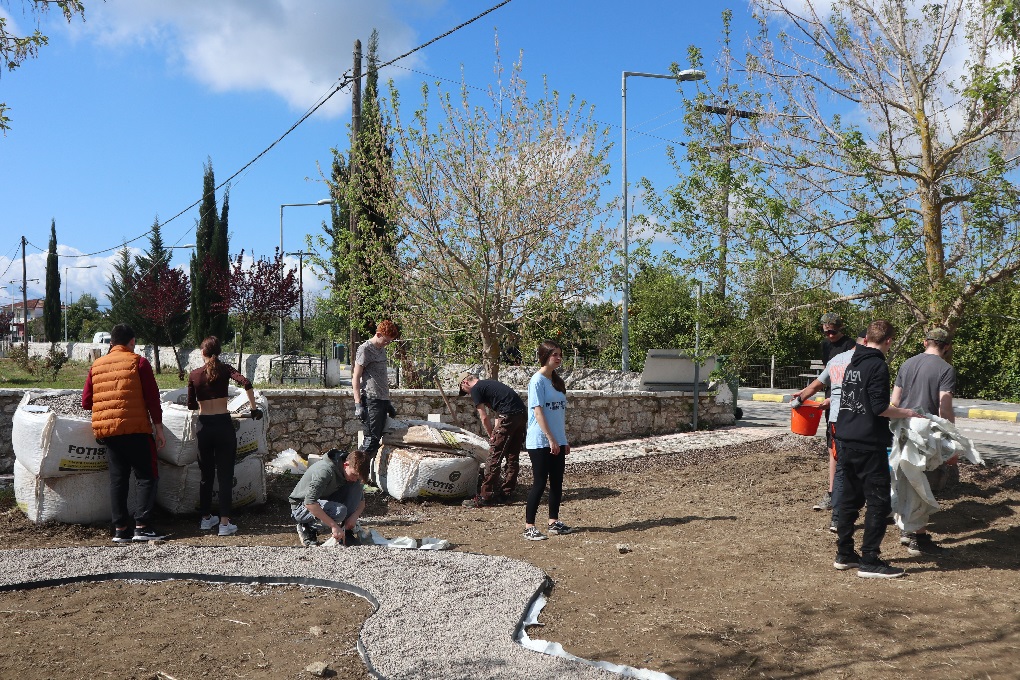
(118, 403)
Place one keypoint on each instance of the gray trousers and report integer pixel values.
(339, 505)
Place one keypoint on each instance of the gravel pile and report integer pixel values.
(63, 405)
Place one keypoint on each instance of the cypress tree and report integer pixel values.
(200, 262)
(220, 255)
(51, 305)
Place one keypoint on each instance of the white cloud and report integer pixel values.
(295, 49)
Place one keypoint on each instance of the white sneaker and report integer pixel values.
(228, 529)
(209, 523)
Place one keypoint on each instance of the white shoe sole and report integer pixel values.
(871, 574)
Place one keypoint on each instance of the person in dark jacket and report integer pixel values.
(506, 434)
(864, 437)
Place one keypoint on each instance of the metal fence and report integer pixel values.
(768, 374)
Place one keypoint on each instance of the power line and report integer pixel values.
(344, 81)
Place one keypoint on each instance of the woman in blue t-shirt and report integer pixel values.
(546, 440)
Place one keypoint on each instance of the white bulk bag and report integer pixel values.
(177, 491)
(74, 499)
(181, 426)
(410, 473)
(426, 434)
(51, 445)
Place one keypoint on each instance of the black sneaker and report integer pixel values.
(844, 562)
(921, 544)
(149, 534)
(906, 537)
(307, 535)
(123, 535)
(558, 528)
(879, 569)
(350, 538)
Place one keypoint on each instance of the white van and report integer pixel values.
(101, 338)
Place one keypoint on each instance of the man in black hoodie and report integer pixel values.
(864, 436)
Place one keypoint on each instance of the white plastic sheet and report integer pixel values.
(556, 649)
(919, 445)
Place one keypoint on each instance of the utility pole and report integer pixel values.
(354, 207)
(732, 115)
(24, 296)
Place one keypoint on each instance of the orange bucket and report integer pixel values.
(804, 419)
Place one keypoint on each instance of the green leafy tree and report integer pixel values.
(498, 203)
(51, 305)
(703, 213)
(84, 319)
(909, 197)
(15, 49)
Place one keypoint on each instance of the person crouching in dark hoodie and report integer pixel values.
(864, 436)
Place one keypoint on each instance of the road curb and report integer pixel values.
(960, 411)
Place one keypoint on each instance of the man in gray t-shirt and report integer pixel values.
(925, 383)
(371, 389)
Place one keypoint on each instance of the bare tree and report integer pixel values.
(498, 203)
(887, 159)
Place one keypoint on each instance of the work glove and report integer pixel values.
(256, 414)
(390, 411)
(359, 412)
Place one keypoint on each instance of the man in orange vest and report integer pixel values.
(122, 394)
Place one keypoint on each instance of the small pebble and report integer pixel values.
(622, 548)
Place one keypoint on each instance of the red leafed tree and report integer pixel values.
(164, 301)
(256, 295)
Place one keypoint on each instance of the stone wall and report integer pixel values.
(313, 421)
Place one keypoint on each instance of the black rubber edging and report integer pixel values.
(216, 578)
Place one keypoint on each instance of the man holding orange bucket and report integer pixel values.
(831, 379)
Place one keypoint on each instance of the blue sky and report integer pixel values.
(112, 123)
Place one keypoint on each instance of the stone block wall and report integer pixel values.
(313, 421)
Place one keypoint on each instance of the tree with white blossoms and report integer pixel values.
(907, 196)
(498, 203)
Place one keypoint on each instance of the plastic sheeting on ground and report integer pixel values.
(373, 537)
(556, 649)
(919, 445)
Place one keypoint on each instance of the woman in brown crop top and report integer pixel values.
(217, 445)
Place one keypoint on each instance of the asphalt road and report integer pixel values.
(995, 440)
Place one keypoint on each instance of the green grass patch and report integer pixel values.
(70, 377)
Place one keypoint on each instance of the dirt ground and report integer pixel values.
(727, 573)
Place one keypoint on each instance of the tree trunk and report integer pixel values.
(490, 353)
(159, 367)
(177, 358)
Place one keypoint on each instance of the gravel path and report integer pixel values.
(440, 614)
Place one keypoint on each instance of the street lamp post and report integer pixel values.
(325, 201)
(682, 76)
(66, 300)
(301, 291)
